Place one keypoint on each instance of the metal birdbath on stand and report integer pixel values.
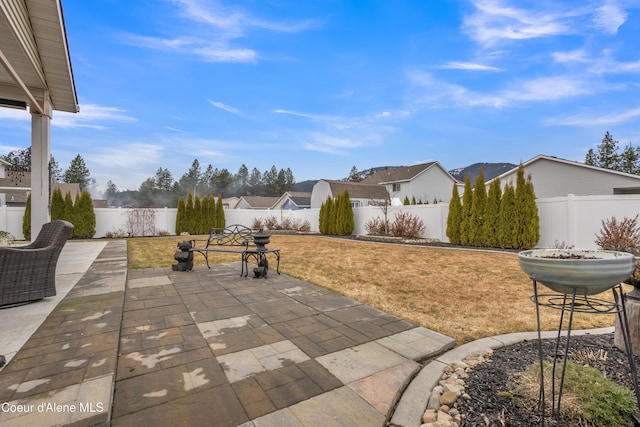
(575, 275)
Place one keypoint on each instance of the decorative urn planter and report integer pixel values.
(261, 239)
(588, 272)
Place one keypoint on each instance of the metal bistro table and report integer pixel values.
(259, 254)
(574, 302)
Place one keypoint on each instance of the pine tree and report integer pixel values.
(465, 212)
(57, 204)
(478, 206)
(180, 216)
(454, 217)
(492, 215)
(507, 213)
(26, 219)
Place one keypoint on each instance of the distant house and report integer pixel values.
(230, 202)
(293, 200)
(256, 202)
(360, 194)
(425, 182)
(16, 186)
(555, 177)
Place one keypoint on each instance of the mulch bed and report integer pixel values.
(488, 407)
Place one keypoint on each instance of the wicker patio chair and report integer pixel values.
(28, 273)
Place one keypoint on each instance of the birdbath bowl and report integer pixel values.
(587, 272)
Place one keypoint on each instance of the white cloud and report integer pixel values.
(471, 66)
(578, 55)
(609, 17)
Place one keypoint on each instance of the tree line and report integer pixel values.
(199, 215)
(500, 219)
(608, 156)
(163, 190)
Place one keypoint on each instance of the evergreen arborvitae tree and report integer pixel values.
(413, 200)
(532, 219)
(322, 222)
(69, 211)
(204, 215)
(478, 206)
(525, 221)
(57, 205)
(26, 219)
(465, 212)
(189, 222)
(198, 218)
(180, 216)
(85, 216)
(406, 201)
(330, 216)
(348, 216)
(221, 221)
(507, 213)
(492, 215)
(212, 213)
(454, 217)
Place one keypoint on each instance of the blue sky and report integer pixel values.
(321, 86)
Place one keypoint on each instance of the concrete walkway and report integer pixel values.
(205, 347)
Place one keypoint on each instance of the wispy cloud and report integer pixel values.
(578, 55)
(609, 17)
(91, 116)
(226, 108)
(215, 30)
(493, 21)
(598, 120)
(440, 94)
(471, 66)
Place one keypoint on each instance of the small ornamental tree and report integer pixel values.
(454, 217)
(26, 219)
(180, 216)
(492, 215)
(506, 221)
(465, 212)
(478, 206)
(57, 205)
(406, 201)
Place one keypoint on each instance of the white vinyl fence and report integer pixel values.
(569, 221)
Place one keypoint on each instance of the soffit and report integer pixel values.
(34, 42)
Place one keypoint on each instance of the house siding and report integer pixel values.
(555, 179)
(432, 183)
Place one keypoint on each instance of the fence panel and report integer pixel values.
(571, 220)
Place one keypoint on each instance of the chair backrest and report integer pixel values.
(54, 233)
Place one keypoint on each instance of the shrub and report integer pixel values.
(407, 225)
(620, 235)
(271, 222)
(6, 238)
(375, 226)
(454, 218)
(305, 227)
(256, 223)
(286, 224)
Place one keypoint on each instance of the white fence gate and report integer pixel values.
(572, 220)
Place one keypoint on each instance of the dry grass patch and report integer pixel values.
(464, 294)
